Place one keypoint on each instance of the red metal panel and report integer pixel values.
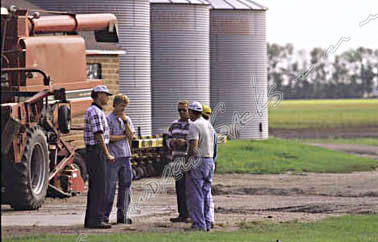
(61, 57)
(69, 23)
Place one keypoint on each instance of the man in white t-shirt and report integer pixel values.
(198, 183)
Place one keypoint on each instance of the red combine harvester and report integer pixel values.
(43, 85)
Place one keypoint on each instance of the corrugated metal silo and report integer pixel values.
(134, 32)
(238, 61)
(179, 57)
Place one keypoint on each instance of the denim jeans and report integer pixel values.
(119, 170)
(198, 189)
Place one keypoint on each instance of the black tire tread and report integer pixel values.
(21, 195)
(79, 161)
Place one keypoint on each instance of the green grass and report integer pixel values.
(274, 156)
(355, 141)
(297, 114)
(337, 229)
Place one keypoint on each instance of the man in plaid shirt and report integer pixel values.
(96, 137)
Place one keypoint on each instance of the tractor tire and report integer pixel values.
(80, 163)
(134, 174)
(64, 119)
(28, 179)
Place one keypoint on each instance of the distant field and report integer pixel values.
(297, 114)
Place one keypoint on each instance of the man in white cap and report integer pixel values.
(198, 183)
(96, 137)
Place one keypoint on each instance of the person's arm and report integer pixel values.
(170, 139)
(193, 148)
(215, 151)
(115, 138)
(129, 133)
(193, 137)
(101, 141)
(98, 130)
(215, 147)
(180, 143)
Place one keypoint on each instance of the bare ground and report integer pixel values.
(239, 198)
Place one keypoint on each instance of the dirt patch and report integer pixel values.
(363, 150)
(219, 189)
(329, 209)
(239, 198)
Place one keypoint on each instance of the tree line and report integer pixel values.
(319, 75)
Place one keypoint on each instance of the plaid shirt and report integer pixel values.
(94, 122)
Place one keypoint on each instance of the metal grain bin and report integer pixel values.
(134, 32)
(179, 57)
(238, 61)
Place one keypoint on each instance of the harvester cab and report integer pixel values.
(43, 86)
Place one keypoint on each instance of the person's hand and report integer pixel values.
(123, 117)
(180, 142)
(110, 158)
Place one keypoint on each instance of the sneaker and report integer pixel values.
(180, 220)
(124, 221)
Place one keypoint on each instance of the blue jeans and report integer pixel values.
(119, 170)
(198, 190)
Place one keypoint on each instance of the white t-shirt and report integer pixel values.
(202, 131)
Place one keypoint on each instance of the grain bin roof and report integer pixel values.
(180, 1)
(236, 4)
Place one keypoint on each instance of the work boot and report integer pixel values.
(124, 221)
(100, 225)
(180, 219)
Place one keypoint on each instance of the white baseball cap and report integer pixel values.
(195, 106)
(102, 88)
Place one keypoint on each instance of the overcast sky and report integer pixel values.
(322, 23)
